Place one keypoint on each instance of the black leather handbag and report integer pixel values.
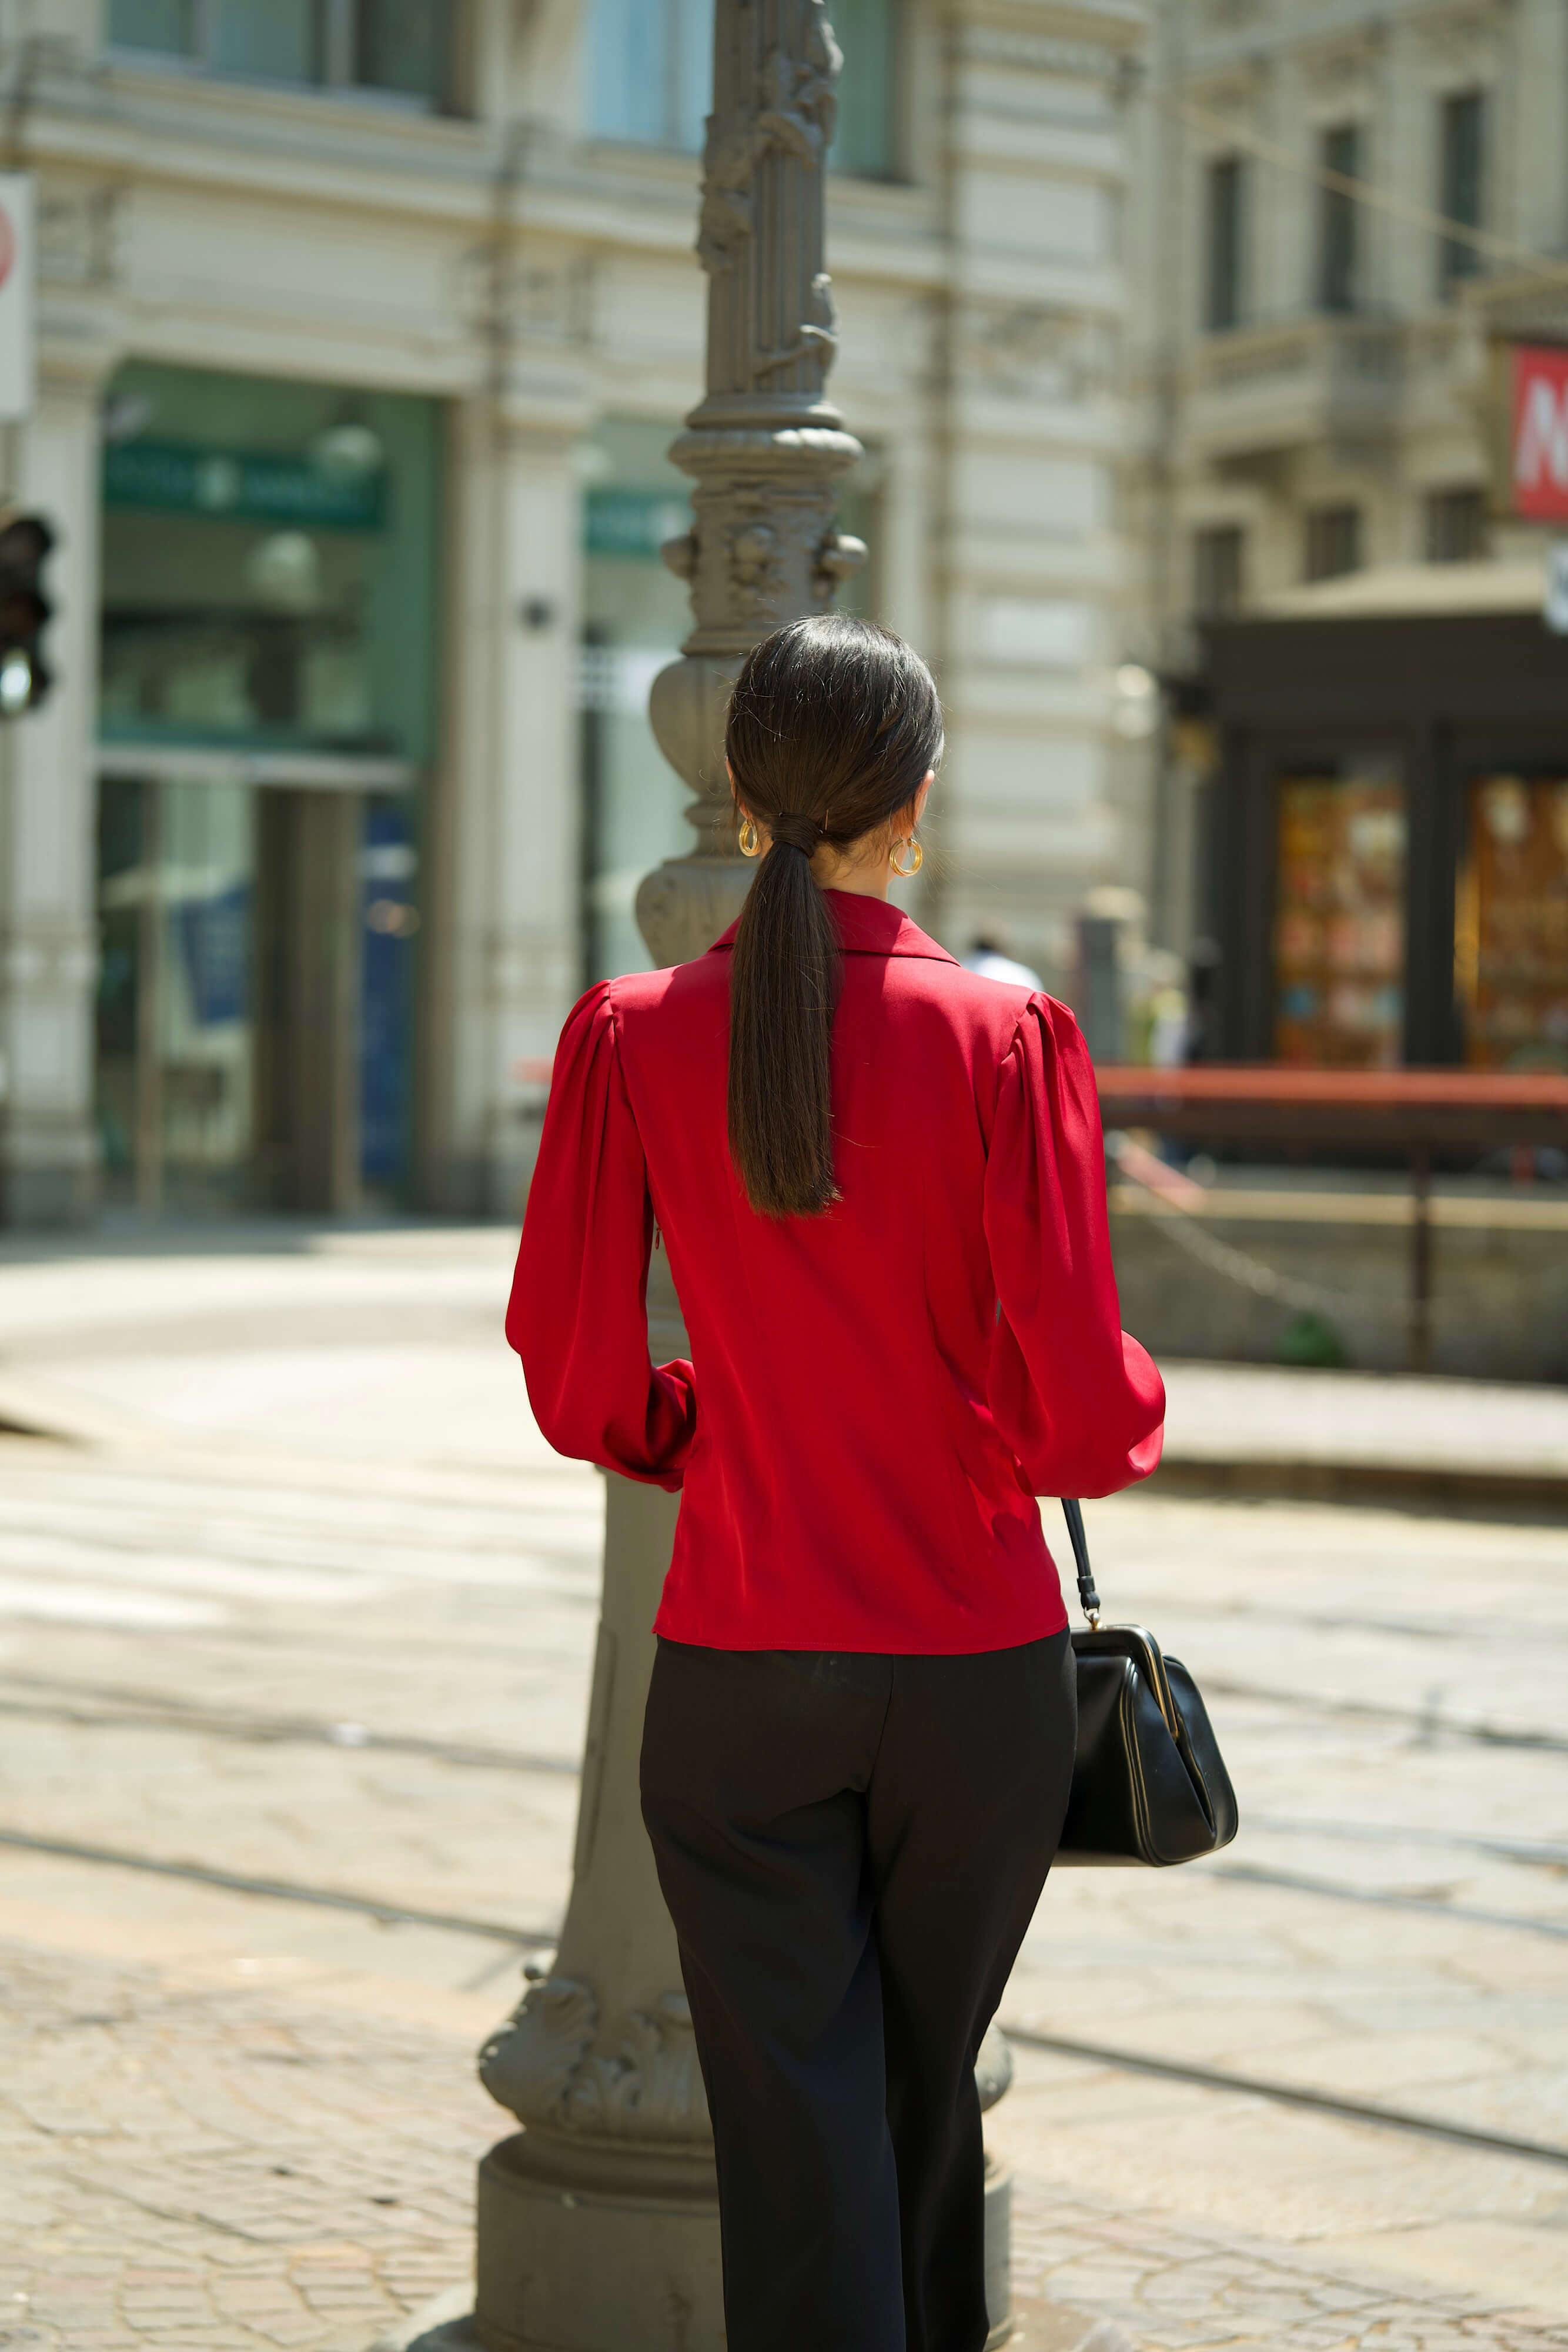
(1149, 1784)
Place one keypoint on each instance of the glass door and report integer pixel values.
(256, 1003)
(175, 1017)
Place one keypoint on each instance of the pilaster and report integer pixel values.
(49, 952)
(1030, 585)
(505, 820)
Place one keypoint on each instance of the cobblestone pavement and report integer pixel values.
(293, 1660)
(205, 2161)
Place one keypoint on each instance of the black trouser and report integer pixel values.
(852, 1847)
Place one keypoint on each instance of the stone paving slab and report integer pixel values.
(326, 1611)
(188, 2161)
(1172, 2288)
(264, 1344)
(195, 2162)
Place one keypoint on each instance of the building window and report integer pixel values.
(649, 77)
(1456, 526)
(1219, 556)
(865, 141)
(1461, 192)
(1224, 234)
(1338, 219)
(650, 66)
(1334, 541)
(399, 47)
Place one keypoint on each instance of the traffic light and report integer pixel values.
(25, 544)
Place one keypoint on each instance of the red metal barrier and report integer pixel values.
(1276, 1103)
(1415, 1112)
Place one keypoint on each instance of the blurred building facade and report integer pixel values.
(1352, 242)
(363, 328)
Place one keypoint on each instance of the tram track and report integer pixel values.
(93, 1702)
(110, 1707)
(1430, 1906)
(278, 1890)
(1427, 1720)
(1289, 2094)
(522, 1938)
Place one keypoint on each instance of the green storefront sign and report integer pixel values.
(242, 486)
(632, 522)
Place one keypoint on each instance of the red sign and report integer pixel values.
(1540, 446)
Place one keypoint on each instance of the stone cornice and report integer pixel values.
(1082, 30)
(596, 194)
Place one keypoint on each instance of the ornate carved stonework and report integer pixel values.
(766, 447)
(646, 2084)
(1462, 42)
(1032, 352)
(79, 235)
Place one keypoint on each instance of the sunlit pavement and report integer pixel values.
(295, 1628)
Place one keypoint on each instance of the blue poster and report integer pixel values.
(389, 863)
(213, 937)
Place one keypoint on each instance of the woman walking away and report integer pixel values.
(880, 1182)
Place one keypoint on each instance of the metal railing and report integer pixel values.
(1417, 1113)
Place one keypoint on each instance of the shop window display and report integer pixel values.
(1510, 927)
(266, 714)
(1339, 930)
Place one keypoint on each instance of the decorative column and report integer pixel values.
(765, 446)
(598, 2224)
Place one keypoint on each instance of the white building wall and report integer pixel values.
(537, 280)
(1243, 427)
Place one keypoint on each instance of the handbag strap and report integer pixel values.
(1089, 1598)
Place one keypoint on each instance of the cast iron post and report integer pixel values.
(597, 2223)
(765, 446)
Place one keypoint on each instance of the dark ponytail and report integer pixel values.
(833, 726)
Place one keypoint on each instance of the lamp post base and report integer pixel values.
(585, 2249)
(579, 2250)
(999, 2250)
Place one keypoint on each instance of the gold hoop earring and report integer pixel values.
(917, 858)
(749, 842)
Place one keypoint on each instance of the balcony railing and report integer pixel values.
(1271, 388)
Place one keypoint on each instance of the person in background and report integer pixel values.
(991, 961)
(882, 1186)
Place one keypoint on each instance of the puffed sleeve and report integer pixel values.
(1078, 1401)
(578, 1315)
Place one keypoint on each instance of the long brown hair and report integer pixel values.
(833, 726)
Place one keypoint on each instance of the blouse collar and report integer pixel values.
(866, 927)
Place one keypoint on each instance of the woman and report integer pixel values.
(880, 1182)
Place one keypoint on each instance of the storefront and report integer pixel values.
(267, 723)
(1388, 861)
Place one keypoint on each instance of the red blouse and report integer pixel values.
(875, 1396)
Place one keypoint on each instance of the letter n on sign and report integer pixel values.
(1539, 466)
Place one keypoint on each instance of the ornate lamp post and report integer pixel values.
(765, 446)
(597, 2221)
